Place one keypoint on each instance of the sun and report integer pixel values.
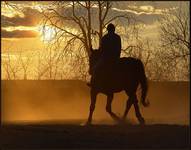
(47, 33)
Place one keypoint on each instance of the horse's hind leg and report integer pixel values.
(128, 106)
(133, 100)
(138, 113)
(92, 105)
(109, 109)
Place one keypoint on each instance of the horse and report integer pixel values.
(127, 75)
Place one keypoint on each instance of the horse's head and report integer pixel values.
(94, 56)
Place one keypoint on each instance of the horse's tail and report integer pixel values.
(144, 85)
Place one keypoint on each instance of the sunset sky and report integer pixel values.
(23, 31)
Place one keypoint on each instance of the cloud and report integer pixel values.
(146, 15)
(31, 17)
(140, 5)
(147, 11)
(18, 34)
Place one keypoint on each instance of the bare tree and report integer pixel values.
(11, 66)
(76, 24)
(25, 63)
(175, 38)
(175, 30)
(80, 15)
(135, 46)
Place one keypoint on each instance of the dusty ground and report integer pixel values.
(96, 136)
(70, 99)
(167, 117)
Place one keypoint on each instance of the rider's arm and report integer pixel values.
(119, 46)
(119, 43)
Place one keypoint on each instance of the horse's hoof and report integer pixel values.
(88, 123)
(125, 122)
(121, 122)
(142, 121)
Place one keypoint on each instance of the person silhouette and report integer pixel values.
(110, 49)
(110, 45)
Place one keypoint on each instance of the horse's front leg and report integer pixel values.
(93, 95)
(109, 109)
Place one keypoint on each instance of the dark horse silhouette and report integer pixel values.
(126, 75)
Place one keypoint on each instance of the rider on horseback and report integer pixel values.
(112, 74)
(110, 45)
(110, 49)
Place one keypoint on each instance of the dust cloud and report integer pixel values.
(69, 100)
